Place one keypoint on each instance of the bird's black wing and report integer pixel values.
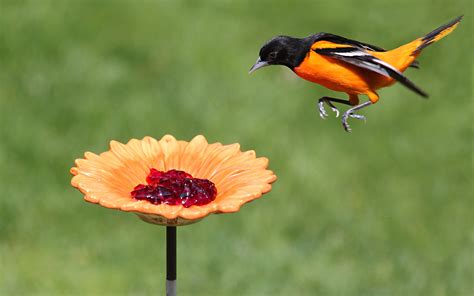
(360, 58)
(342, 40)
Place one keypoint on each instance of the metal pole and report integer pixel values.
(170, 260)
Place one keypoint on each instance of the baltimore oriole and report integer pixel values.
(346, 65)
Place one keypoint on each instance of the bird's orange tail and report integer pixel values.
(405, 55)
(437, 34)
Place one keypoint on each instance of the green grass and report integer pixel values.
(386, 210)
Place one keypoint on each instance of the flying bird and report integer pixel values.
(347, 65)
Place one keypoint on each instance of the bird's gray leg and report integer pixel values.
(329, 100)
(350, 113)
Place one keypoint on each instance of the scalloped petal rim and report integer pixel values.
(108, 178)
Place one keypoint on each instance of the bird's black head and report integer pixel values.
(282, 50)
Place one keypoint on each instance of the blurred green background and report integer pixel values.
(386, 210)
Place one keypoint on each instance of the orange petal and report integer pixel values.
(192, 155)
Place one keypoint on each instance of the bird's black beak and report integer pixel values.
(258, 64)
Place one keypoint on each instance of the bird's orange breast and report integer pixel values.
(335, 74)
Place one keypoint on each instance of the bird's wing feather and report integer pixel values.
(361, 58)
(342, 40)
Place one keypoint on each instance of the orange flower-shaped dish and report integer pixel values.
(109, 178)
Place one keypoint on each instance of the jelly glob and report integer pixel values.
(175, 187)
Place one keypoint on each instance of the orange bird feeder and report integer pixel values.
(172, 183)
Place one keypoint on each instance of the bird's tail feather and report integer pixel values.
(437, 34)
(405, 55)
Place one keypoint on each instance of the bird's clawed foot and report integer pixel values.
(322, 111)
(350, 114)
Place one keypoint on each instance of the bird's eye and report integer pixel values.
(272, 55)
